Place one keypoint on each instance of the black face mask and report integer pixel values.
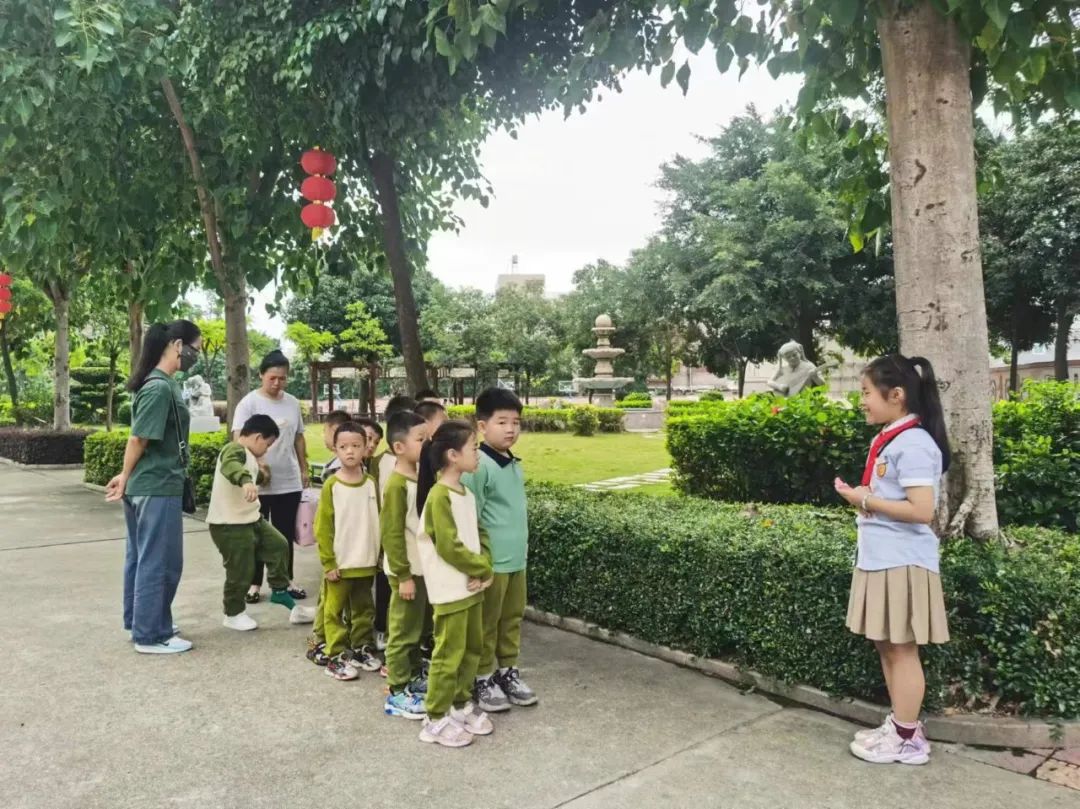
(188, 357)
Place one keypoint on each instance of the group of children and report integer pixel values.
(436, 522)
(445, 522)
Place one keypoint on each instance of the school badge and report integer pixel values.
(881, 469)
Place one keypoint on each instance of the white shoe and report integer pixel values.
(446, 732)
(380, 641)
(302, 615)
(866, 735)
(241, 622)
(473, 720)
(171, 646)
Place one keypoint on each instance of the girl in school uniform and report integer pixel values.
(896, 597)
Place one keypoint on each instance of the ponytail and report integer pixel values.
(157, 339)
(915, 375)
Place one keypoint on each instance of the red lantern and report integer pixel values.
(5, 294)
(317, 216)
(316, 161)
(5, 279)
(318, 189)
(5, 307)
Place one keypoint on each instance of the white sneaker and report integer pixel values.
(864, 736)
(302, 615)
(241, 622)
(473, 720)
(446, 732)
(890, 748)
(168, 647)
(380, 641)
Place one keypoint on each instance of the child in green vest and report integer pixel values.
(400, 523)
(499, 487)
(456, 564)
(240, 532)
(347, 534)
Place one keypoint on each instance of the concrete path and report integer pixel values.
(628, 482)
(244, 721)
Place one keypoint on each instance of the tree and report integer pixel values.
(106, 327)
(524, 332)
(458, 328)
(364, 340)
(30, 317)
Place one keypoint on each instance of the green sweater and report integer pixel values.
(499, 486)
(397, 520)
(441, 526)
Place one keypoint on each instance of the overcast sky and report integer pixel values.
(571, 191)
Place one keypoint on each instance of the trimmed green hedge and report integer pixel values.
(44, 447)
(767, 587)
(635, 401)
(104, 458)
(551, 420)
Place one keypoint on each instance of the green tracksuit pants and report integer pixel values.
(405, 627)
(348, 614)
(459, 637)
(241, 546)
(504, 609)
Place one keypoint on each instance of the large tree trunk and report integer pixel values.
(742, 376)
(109, 394)
(1014, 367)
(61, 301)
(939, 286)
(1062, 334)
(233, 289)
(382, 170)
(9, 366)
(135, 331)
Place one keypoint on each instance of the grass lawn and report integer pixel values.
(565, 458)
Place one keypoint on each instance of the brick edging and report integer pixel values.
(973, 729)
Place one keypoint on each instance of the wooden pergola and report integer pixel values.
(370, 372)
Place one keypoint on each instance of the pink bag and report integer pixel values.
(305, 517)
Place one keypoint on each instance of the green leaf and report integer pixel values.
(774, 67)
(63, 37)
(667, 74)
(695, 32)
(105, 27)
(1035, 67)
(683, 77)
(843, 13)
(492, 18)
(998, 11)
(62, 13)
(724, 55)
(23, 109)
(442, 44)
(745, 42)
(1072, 94)
(1021, 28)
(856, 238)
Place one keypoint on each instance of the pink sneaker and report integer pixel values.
(446, 732)
(473, 720)
(866, 734)
(890, 748)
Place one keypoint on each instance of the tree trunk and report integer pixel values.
(109, 392)
(742, 376)
(1062, 334)
(940, 304)
(62, 358)
(135, 331)
(1014, 367)
(9, 366)
(238, 371)
(382, 171)
(313, 376)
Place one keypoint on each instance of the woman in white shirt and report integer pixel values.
(279, 499)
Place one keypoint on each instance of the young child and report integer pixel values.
(457, 567)
(347, 533)
(428, 395)
(896, 597)
(399, 521)
(374, 432)
(499, 487)
(316, 651)
(240, 532)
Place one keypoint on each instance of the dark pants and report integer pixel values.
(280, 510)
(153, 562)
(241, 546)
(382, 600)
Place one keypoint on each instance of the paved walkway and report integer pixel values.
(244, 721)
(628, 482)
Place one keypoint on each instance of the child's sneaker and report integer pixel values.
(866, 734)
(384, 672)
(509, 680)
(241, 622)
(405, 705)
(889, 748)
(489, 696)
(341, 669)
(317, 654)
(473, 720)
(302, 615)
(418, 685)
(364, 659)
(380, 641)
(446, 732)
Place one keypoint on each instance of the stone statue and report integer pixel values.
(795, 372)
(199, 396)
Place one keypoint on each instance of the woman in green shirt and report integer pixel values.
(151, 487)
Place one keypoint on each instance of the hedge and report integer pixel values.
(44, 447)
(789, 451)
(551, 420)
(633, 401)
(104, 458)
(767, 587)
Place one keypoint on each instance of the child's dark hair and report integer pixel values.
(428, 393)
(451, 435)
(397, 429)
(335, 418)
(915, 375)
(349, 427)
(374, 425)
(261, 424)
(494, 399)
(428, 410)
(397, 404)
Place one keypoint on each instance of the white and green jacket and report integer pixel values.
(347, 527)
(452, 548)
(235, 467)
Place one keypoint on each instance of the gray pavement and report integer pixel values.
(246, 721)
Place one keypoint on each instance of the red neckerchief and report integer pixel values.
(880, 442)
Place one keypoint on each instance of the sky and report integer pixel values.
(571, 191)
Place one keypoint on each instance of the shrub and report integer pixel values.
(635, 400)
(549, 420)
(712, 396)
(104, 458)
(611, 419)
(44, 447)
(767, 587)
(123, 411)
(584, 420)
(7, 412)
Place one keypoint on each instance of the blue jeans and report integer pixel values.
(153, 563)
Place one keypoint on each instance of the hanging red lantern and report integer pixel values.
(5, 307)
(316, 161)
(317, 216)
(5, 294)
(318, 189)
(5, 279)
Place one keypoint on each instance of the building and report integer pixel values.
(520, 280)
(1036, 364)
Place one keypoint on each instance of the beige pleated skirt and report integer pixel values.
(898, 605)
